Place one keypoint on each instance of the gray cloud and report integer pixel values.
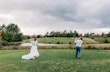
(40, 16)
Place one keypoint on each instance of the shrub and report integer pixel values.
(70, 43)
(58, 42)
(49, 42)
(4, 43)
(62, 43)
(106, 41)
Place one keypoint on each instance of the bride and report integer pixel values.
(33, 51)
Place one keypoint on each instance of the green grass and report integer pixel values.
(65, 40)
(55, 40)
(61, 60)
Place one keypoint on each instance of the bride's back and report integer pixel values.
(34, 43)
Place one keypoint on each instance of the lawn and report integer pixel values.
(55, 60)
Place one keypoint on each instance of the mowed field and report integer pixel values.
(55, 60)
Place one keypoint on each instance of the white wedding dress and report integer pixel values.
(33, 51)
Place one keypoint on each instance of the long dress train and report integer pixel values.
(33, 51)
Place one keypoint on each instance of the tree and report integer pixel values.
(39, 36)
(71, 34)
(75, 34)
(108, 34)
(3, 27)
(52, 34)
(47, 34)
(87, 35)
(64, 33)
(26, 37)
(18, 37)
(92, 35)
(11, 33)
(13, 28)
(7, 36)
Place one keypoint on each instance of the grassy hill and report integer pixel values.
(65, 40)
(102, 39)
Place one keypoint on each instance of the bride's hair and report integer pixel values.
(35, 39)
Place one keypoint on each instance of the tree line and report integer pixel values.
(74, 34)
(12, 33)
(62, 34)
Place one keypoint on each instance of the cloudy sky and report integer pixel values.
(40, 16)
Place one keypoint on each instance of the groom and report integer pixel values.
(78, 47)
